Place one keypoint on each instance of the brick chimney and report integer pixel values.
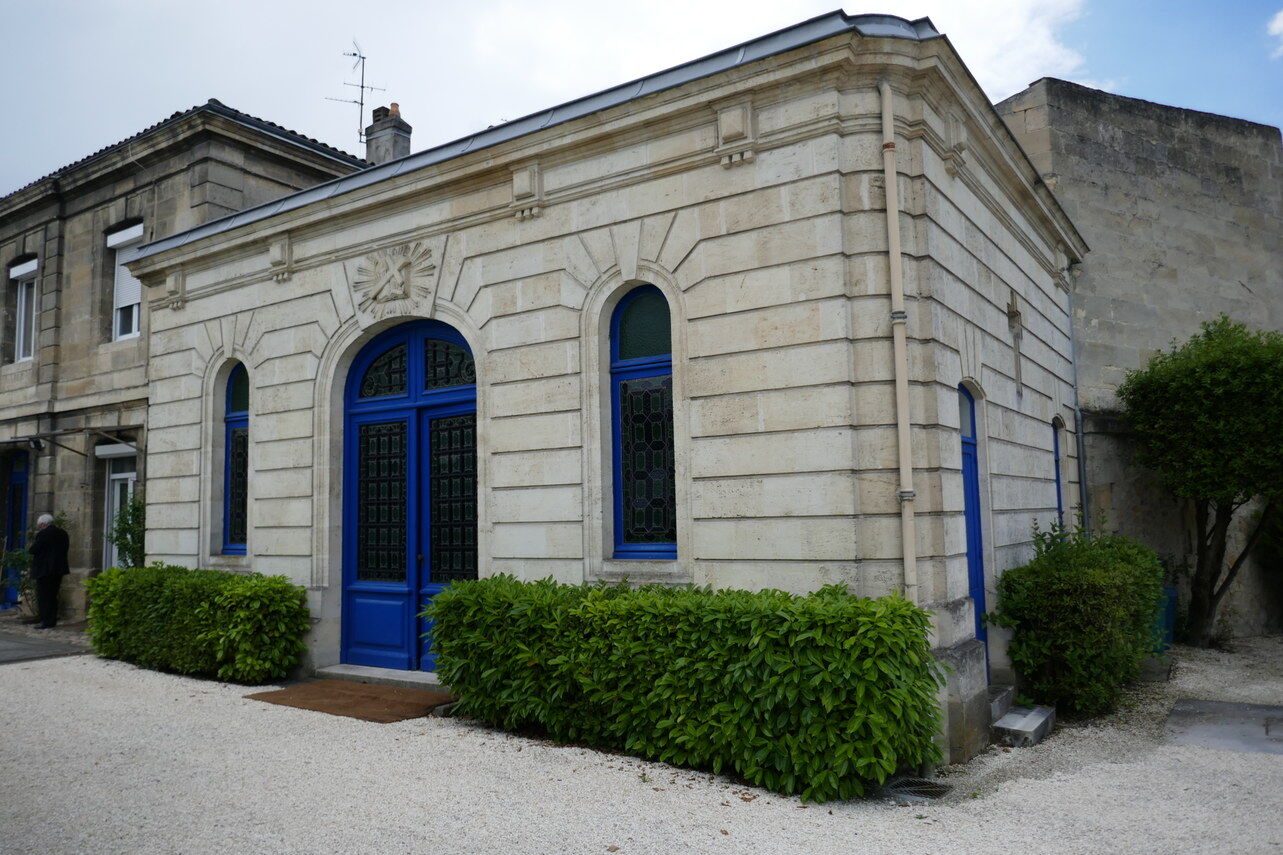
(388, 136)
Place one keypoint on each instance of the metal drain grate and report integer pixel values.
(914, 790)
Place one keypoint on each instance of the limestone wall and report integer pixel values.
(1184, 215)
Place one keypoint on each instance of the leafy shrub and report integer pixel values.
(1083, 612)
(247, 628)
(128, 530)
(822, 695)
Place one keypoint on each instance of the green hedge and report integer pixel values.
(247, 628)
(1083, 613)
(822, 695)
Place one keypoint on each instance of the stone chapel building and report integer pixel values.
(790, 314)
(74, 343)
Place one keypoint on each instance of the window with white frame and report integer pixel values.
(127, 296)
(24, 315)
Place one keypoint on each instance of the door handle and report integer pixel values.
(420, 559)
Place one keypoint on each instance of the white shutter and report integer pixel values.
(125, 237)
(129, 290)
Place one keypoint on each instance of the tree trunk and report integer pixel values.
(1213, 530)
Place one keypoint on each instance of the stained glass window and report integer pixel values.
(386, 375)
(453, 491)
(646, 460)
(642, 399)
(446, 364)
(381, 514)
(236, 463)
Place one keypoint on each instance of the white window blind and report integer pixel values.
(128, 290)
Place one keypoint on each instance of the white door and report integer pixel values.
(122, 472)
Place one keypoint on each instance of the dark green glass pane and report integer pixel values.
(381, 502)
(238, 484)
(453, 491)
(644, 327)
(446, 364)
(238, 391)
(386, 375)
(647, 461)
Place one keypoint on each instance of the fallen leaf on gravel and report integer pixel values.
(724, 831)
(612, 848)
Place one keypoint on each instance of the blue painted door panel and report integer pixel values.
(388, 503)
(971, 507)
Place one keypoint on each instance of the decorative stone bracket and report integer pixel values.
(955, 155)
(527, 192)
(280, 256)
(176, 289)
(736, 134)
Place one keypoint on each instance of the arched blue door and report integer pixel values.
(971, 506)
(410, 489)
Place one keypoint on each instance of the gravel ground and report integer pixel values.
(102, 757)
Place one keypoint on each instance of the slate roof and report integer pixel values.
(218, 108)
(780, 41)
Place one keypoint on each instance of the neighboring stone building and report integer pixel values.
(74, 338)
(651, 334)
(1184, 214)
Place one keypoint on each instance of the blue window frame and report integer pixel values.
(236, 462)
(641, 391)
(1055, 453)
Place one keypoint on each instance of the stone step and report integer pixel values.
(1000, 700)
(1023, 726)
(382, 676)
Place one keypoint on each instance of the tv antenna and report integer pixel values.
(361, 88)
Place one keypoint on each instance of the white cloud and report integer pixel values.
(1275, 29)
(455, 67)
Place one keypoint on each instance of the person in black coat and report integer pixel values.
(48, 565)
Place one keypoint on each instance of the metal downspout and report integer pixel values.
(900, 346)
(1079, 432)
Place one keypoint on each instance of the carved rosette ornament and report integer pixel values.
(399, 280)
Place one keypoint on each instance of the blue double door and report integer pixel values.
(971, 506)
(410, 490)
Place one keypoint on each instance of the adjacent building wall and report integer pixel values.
(1184, 214)
(203, 167)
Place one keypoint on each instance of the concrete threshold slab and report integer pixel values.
(382, 676)
(1249, 728)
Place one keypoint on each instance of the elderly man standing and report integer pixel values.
(48, 565)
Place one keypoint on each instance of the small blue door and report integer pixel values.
(410, 490)
(15, 530)
(971, 506)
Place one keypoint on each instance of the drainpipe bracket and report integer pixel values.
(906, 495)
(899, 316)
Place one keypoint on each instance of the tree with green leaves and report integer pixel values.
(1207, 416)
(128, 530)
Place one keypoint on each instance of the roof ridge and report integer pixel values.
(212, 105)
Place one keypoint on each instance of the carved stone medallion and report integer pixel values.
(396, 280)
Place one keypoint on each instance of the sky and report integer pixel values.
(83, 74)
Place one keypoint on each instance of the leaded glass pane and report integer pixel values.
(238, 391)
(386, 375)
(446, 364)
(237, 484)
(381, 502)
(454, 497)
(646, 458)
(644, 327)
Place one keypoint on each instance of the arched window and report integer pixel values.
(641, 384)
(1056, 426)
(236, 462)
